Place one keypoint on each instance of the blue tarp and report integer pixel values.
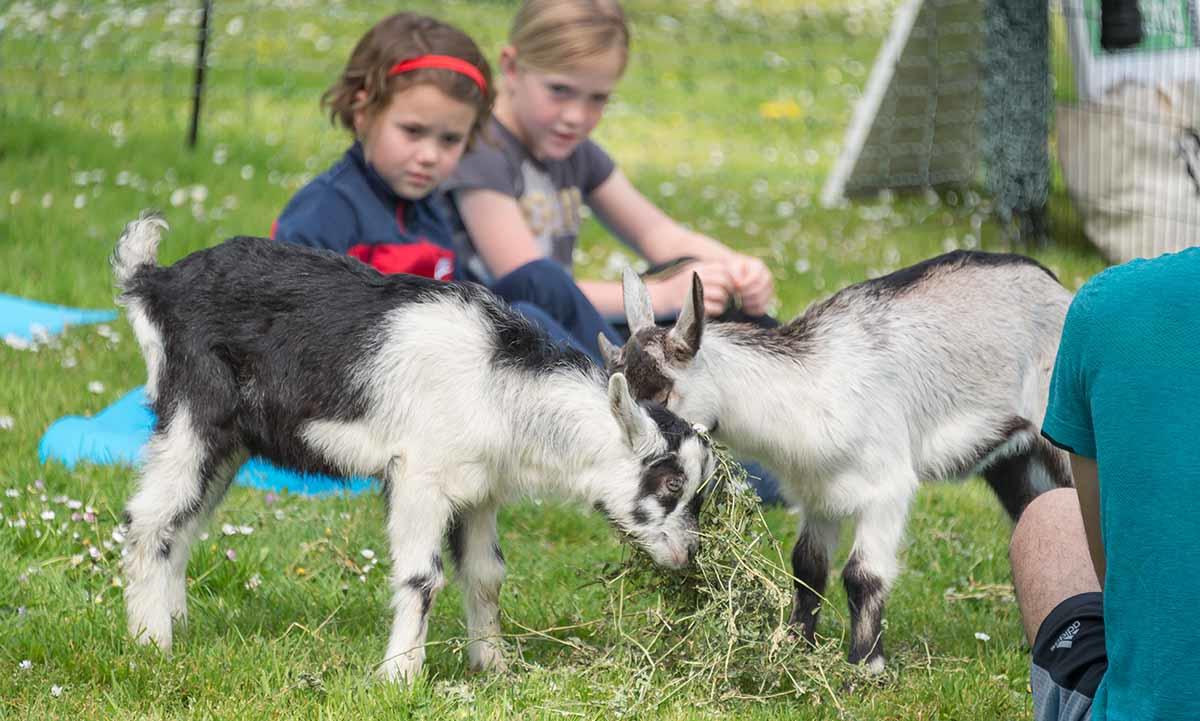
(21, 317)
(117, 434)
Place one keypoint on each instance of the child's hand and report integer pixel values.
(752, 281)
(718, 287)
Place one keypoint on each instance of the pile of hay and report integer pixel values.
(717, 631)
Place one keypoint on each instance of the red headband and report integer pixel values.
(447, 62)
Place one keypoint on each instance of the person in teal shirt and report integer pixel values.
(1107, 575)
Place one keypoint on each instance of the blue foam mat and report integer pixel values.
(21, 317)
(118, 433)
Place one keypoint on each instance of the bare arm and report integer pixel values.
(660, 238)
(498, 229)
(1087, 485)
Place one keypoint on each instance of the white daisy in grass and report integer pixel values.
(982, 636)
(56, 691)
(16, 342)
(96, 387)
(6, 423)
(25, 665)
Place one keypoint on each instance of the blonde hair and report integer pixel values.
(401, 37)
(551, 35)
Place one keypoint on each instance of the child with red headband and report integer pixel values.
(416, 93)
(516, 203)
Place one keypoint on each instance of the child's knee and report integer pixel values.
(540, 281)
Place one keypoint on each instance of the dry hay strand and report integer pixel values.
(717, 631)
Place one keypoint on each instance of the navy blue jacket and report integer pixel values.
(351, 210)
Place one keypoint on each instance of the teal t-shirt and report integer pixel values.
(1126, 391)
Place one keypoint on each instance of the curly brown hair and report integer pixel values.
(365, 84)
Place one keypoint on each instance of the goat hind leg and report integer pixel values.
(480, 569)
(183, 478)
(1018, 479)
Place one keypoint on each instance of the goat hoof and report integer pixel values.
(487, 657)
(401, 670)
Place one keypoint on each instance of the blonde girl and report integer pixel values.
(516, 200)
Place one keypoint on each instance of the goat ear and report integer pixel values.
(689, 327)
(639, 312)
(609, 352)
(626, 410)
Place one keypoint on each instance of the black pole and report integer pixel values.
(201, 61)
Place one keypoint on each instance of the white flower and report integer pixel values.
(96, 387)
(982, 636)
(6, 423)
(12, 492)
(74, 505)
(47, 515)
(228, 529)
(245, 530)
(56, 691)
(254, 582)
(12, 340)
(368, 554)
(25, 665)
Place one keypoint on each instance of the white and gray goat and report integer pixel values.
(936, 371)
(439, 390)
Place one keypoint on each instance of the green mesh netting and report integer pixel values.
(1016, 115)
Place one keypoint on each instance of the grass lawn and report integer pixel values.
(286, 618)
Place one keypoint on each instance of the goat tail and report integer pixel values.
(137, 247)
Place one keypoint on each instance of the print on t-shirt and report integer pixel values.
(553, 214)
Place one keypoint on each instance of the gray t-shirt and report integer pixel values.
(551, 194)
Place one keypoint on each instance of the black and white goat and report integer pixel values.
(933, 372)
(452, 400)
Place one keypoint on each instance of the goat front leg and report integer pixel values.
(814, 547)
(868, 576)
(479, 562)
(418, 516)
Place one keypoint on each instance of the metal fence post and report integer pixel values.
(201, 62)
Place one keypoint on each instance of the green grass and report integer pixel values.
(91, 132)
